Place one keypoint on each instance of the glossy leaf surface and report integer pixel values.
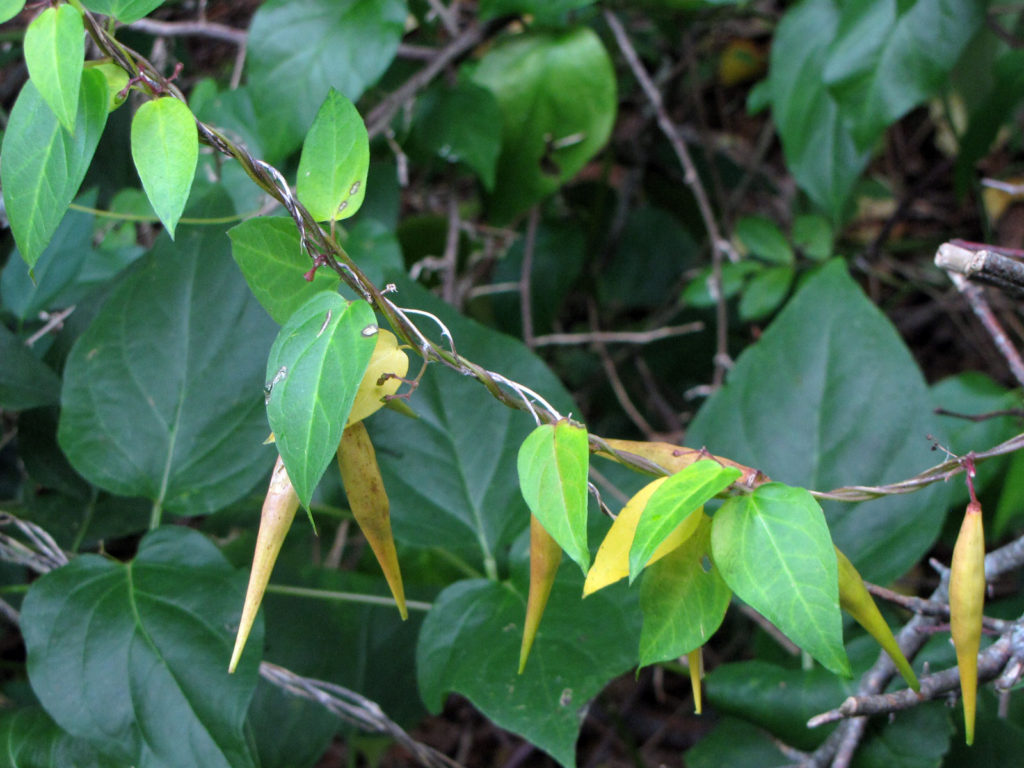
(313, 372)
(43, 165)
(165, 148)
(553, 463)
(147, 643)
(773, 550)
(54, 53)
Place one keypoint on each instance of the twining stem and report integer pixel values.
(345, 597)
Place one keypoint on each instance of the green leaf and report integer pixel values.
(9, 9)
(553, 463)
(125, 11)
(25, 381)
(30, 739)
(557, 97)
(469, 644)
(335, 160)
(683, 494)
(820, 151)
(300, 48)
(43, 165)
(736, 742)
(774, 551)
(765, 292)
(683, 599)
(698, 292)
(162, 393)
(764, 239)
(457, 125)
(133, 656)
(449, 473)
(313, 372)
(54, 54)
(813, 235)
(165, 148)
(543, 11)
(269, 253)
(803, 405)
(887, 57)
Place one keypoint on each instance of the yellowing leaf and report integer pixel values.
(387, 358)
(612, 561)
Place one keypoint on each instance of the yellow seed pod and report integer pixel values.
(612, 561)
(278, 513)
(966, 607)
(545, 557)
(695, 658)
(387, 358)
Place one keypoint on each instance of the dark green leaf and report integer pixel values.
(469, 644)
(125, 11)
(676, 499)
(134, 656)
(917, 738)
(683, 599)
(270, 255)
(54, 54)
(763, 238)
(300, 48)
(335, 160)
(888, 57)
(43, 165)
(30, 739)
(765, 292)
(162, 394)
(313, 372)
(557, 97)
(805, 405)
(165, 148)
(25, 381)
(813, 235)
(553, 463)
(773, 550)
(450, 474)
(736, 742)
(820, 151)
(543, 11)
(458, 125)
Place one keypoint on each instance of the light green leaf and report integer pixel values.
(803, 406)
(269, 253)
(313, 372)
(133, 656)
(820, 151)
(25, 380)
(763, 238)
(765, 292)
(890, 56)
(43, 166)
(9, 9)
(162, 393)
(683, 494)
(683, 599)
(335, 160)
(54, 54)
(774, 551)
(300, 48)
(469, 644)
(558, 101)
(813, 235)
(125, 11)
(165, 148)
(553, 463)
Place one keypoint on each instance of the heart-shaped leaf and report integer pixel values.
(335, 160)
(553, 463)
(165, 148)
(774, 551)
(43, 165)
(146, 644)
(54, 53)
(313, 373)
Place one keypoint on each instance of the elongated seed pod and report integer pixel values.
(545, 557)
(279, 507)
(696, 661)
(369, 502)
(966, 606)
(855, 599)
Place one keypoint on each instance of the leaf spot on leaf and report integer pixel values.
(566, 698)
(343, 206)
(354, 189)
(268, 388)
(370, 330)
(327, 321)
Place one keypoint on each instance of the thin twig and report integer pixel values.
(190, 29)
(979, 305)
(618, 337)
(54, 320)
(526, 277)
